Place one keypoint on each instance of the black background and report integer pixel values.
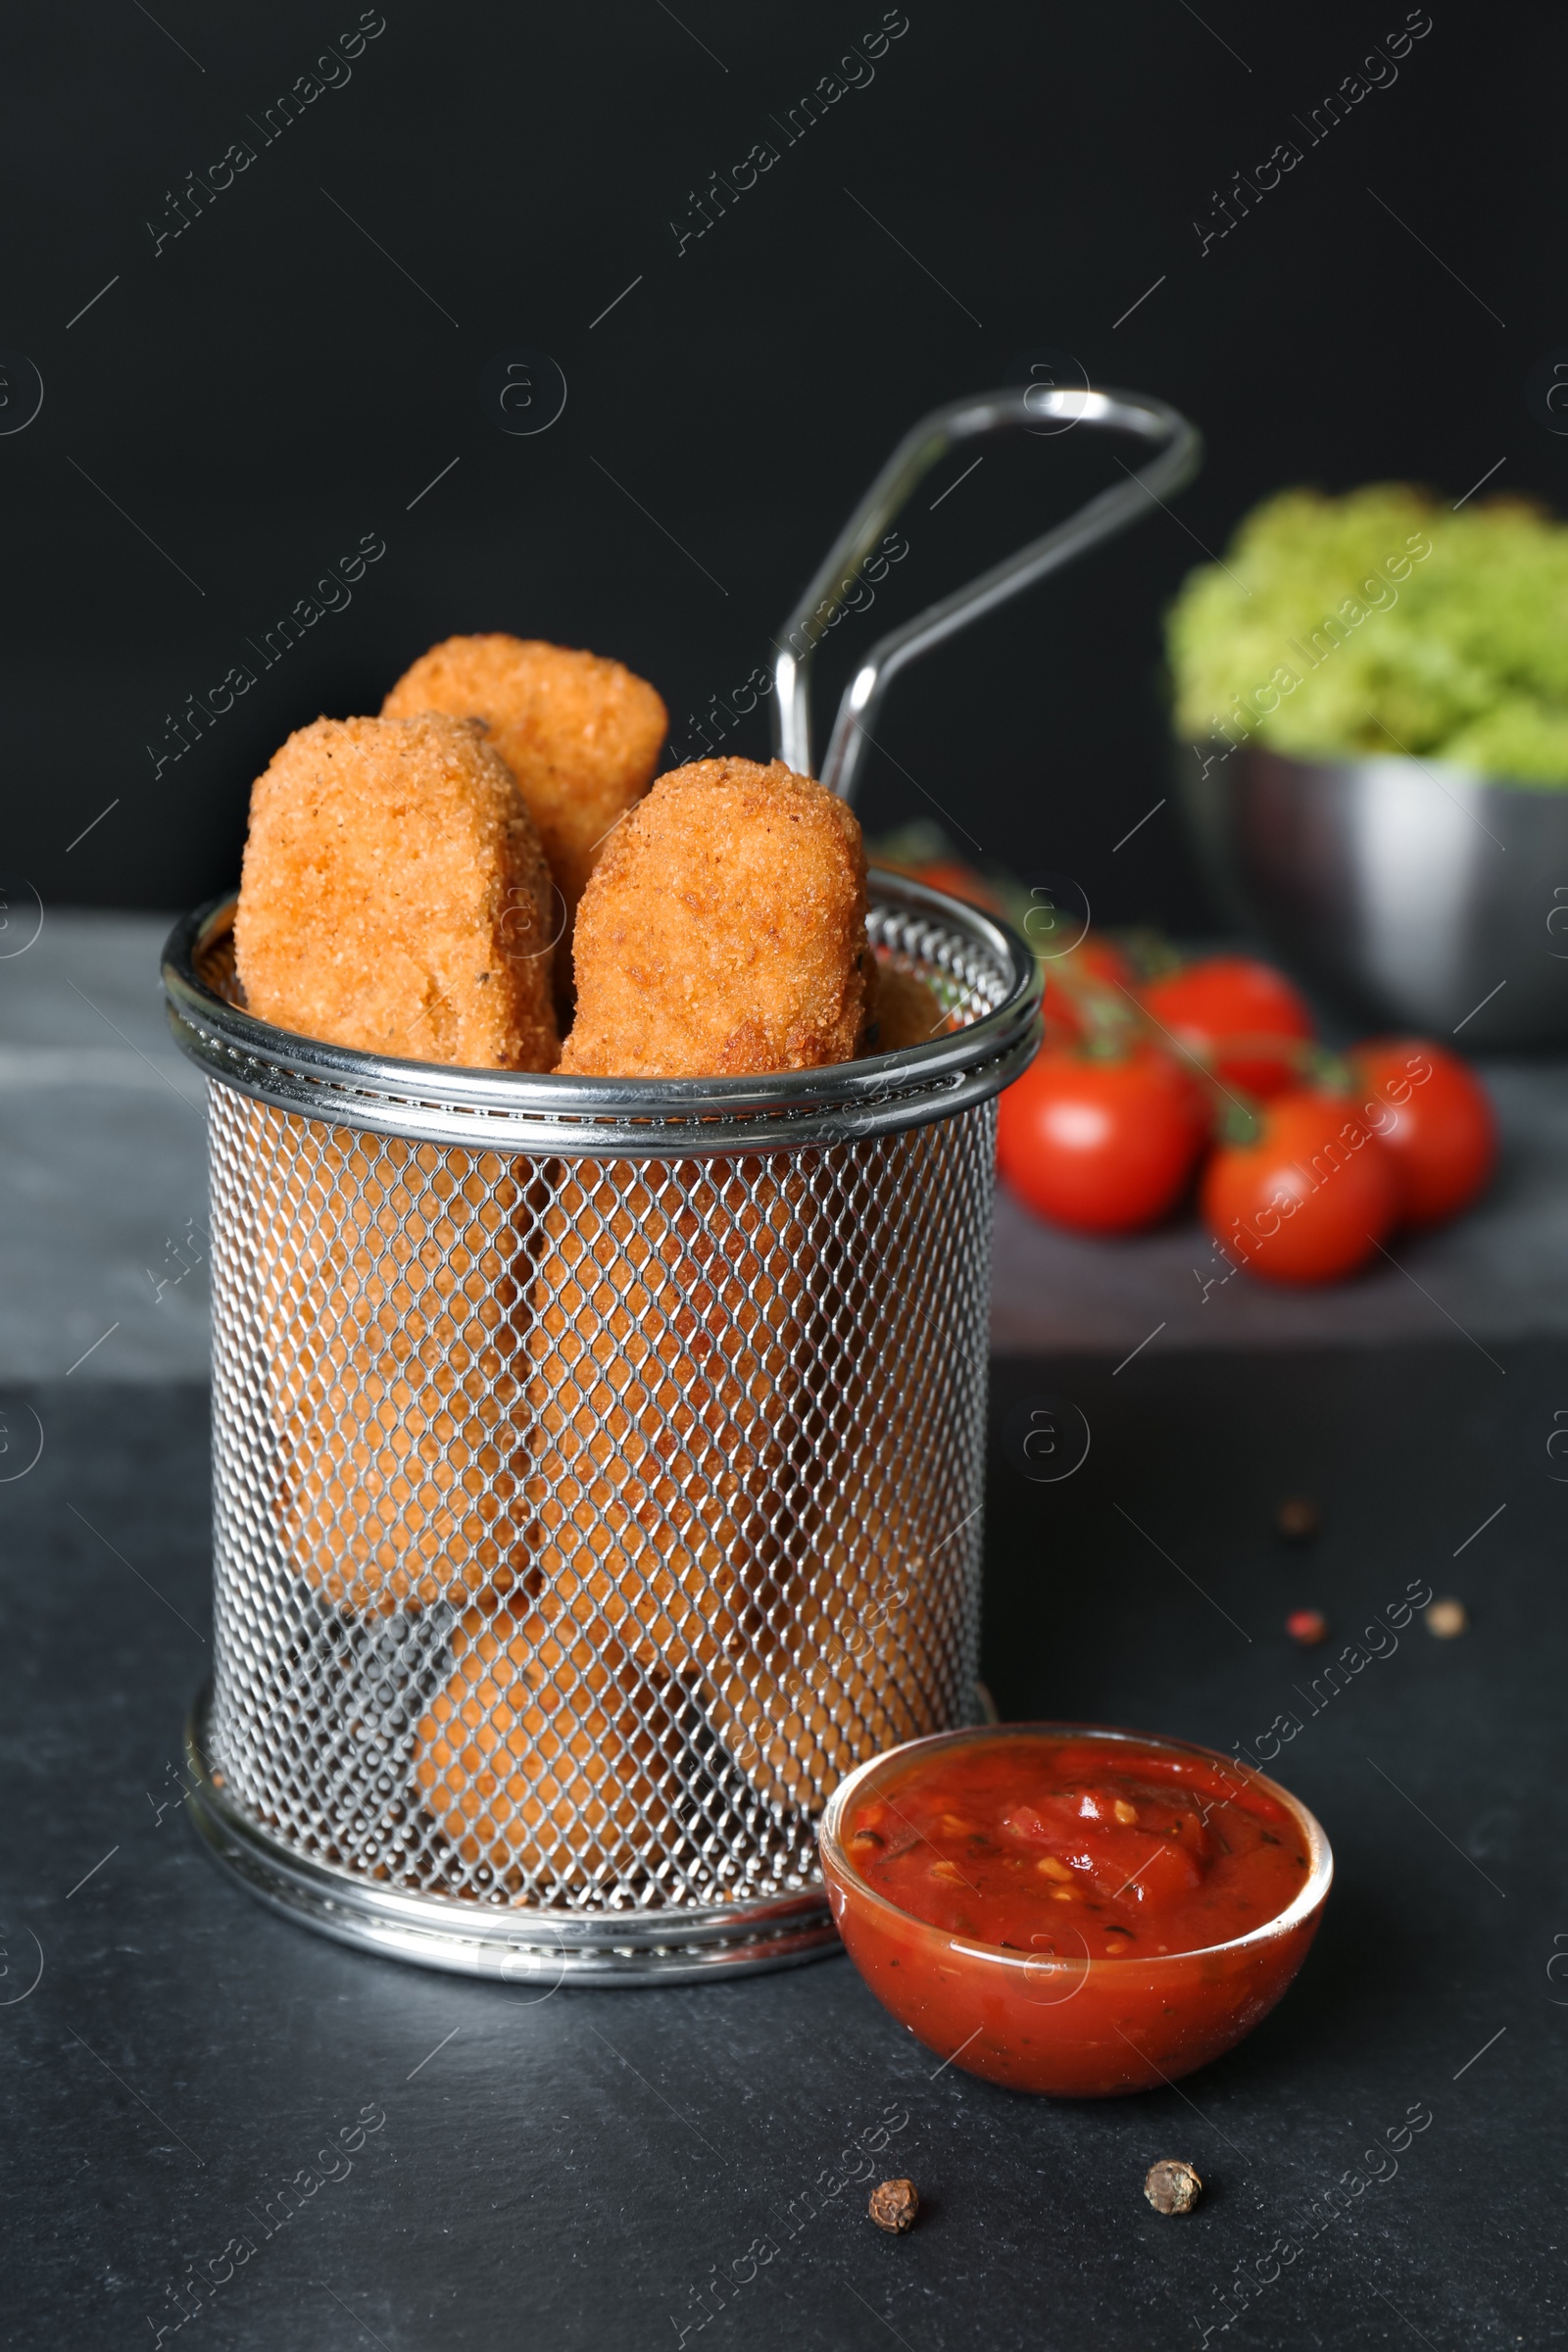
(269, 386)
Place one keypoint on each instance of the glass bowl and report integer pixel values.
(1070, 2026)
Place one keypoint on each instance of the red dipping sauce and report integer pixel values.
(1071, 1909)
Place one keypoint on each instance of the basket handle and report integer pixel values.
(1178, 447)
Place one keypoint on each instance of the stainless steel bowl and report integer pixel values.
(1417, 893)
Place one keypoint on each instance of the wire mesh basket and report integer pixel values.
(598, 1462)
(596, 1469)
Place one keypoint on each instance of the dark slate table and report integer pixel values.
(654, 2167)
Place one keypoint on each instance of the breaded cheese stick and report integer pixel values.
(532, 1762)
(388, 1286)
(907, 1013)
(581, 735)
(875, 1630)
(724, 929)
(394, 897)
(663, 1345)
(872, 1641)
(724, 932)
(665, 1331)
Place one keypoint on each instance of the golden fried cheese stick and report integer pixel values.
(874, 1633)
(724, 928)
(531, 1762)
(907, 1013)
(873, 1637)
(388, 1277)
(581, 735)
(724, 932)
(395, 898)
(720, 935)
(663, 1348)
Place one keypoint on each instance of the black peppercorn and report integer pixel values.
(894, 2205)
(1172, 2187)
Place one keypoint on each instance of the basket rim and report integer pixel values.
(619, 1117)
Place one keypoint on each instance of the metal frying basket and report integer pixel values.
(597, 1465)
(596, 1469)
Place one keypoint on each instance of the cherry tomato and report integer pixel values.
(1226, 1009)
(1091, 974)
(1104, 1144)
(1312, 1199)
(1101, 961)
(1434, 1119)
